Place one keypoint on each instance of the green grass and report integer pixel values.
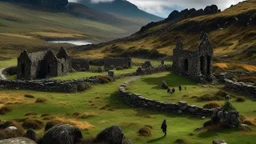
(129, 119)
(136, 61)
(8, 63)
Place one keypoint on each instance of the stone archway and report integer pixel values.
(186, 65)
(202, 65)
(209, 61)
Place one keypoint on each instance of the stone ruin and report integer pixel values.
(195, 64)
(111, 63)
(43, 64)
(80, 64)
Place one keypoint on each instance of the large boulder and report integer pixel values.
(62, 134)
(18, 140)
(110, 135)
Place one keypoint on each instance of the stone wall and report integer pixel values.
(68, 86)
(110, 63)
(137, 101)
(240, 87)
(80, 64)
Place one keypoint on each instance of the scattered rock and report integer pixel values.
(111, 135)
(31, 134)
(18, 140)
(164, 85)
(62, 134)
(219, 142)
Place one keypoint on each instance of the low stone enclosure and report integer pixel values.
(224, 115)
(240, 87)
(71, 86)
(138, 101)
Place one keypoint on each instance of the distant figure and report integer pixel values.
(180, 88)
(164, 127)
(185, 88)
(173, 90)
(168, 90)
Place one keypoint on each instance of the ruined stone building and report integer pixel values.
(43, 64)
(110, 63)
(195, 64)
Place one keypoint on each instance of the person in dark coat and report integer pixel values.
(180, 88)
(168, 90)
(164, 127)
(173, 90)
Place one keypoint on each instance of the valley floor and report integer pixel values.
(99, 107)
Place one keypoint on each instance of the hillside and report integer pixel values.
(24, 26)
(121, 8)
(231, 31)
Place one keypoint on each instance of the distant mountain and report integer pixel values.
(121, 7)
(232, 34)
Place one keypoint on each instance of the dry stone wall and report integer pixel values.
(240, 87)
(68, 86)
(138, 101)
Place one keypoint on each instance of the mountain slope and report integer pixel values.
(232, 33)
(26, 26)
(121, 7)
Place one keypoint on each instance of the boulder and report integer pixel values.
(18, 140)
(218, 142)
(164, 85)
(110, 135)
(31, 134)
(62, 134)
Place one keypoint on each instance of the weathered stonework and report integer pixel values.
(110, 63)
(138, 101)
(42, 64)
(80, 64)
(195, 64)
(240, 87)
(69, 86)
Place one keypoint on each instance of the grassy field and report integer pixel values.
(135, 63)
(101, 108)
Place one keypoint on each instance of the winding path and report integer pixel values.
(2, 76)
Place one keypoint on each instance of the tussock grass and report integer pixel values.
(211, 105)
(33, 124)
(145, 131)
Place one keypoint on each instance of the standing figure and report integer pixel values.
(180, 88)
(164, 127)
(168, 90)
(173, 90)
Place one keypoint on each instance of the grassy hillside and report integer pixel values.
(232, 33)
(27, 28)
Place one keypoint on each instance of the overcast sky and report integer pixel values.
(164, 7)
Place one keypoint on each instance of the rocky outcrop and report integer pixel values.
(18, 140)
(62, 134)
(138, 101)
(176, 16)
